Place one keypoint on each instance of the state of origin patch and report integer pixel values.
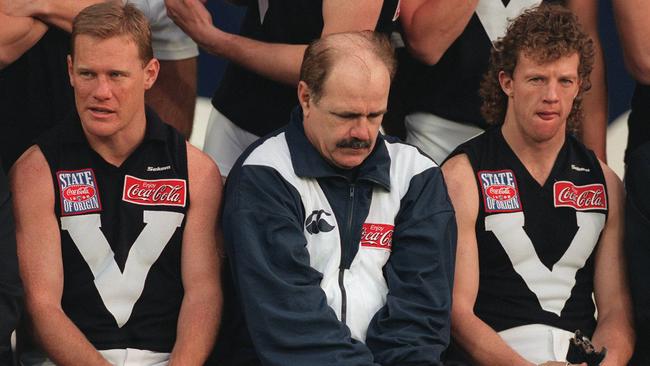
(78, 191)
(499, 189)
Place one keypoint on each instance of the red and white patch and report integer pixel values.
(78, 191)
(397, 10)
(582, 198)
(378, 236)
(155, 192)
(499, 188)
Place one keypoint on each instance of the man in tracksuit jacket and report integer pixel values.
(341, 242)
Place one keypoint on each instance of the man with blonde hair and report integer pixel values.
(116, 227)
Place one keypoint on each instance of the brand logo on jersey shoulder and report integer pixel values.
(588, 197)
(316, 222)
(378, 236)
(154, 192)
(500, 193)
(78, 191)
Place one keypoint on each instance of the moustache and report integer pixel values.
(353, 143)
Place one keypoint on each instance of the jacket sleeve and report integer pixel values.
(637, 239)
(413, 327)
(10, 286)
(286, 311)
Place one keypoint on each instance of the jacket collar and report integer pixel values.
(308, 162)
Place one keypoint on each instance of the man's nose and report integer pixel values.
(102, 89)
(360, 129)
(551, 92)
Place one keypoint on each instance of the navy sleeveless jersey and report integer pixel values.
(121, 235)
(637, 123)
(260, 105)
(536, 244)
(450, 89)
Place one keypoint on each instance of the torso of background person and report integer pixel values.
(536, 244)
(121, 235)
(637, 123)
(450, 89)
(35, 94)
(260, 105)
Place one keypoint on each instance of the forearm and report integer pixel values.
(594, 127)
(433, 25)
(278, 62)
(482, 343)
(17, 36)
(614, 331)
(61, 339)
(60, 13)
(198, 322)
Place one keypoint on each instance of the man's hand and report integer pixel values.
(20, 8)
(192, 17)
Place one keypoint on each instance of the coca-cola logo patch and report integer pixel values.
(582, 198)
(500, 193)
(78, 191)
(379, 236)
(154, 192)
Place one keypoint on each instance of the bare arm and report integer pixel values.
(614, 329)
(17, 35)
(55, 12)
(174, 94)
(200, 312)
(594, 126)
(279, 62)
(431, 26)
(480, 341)
(633, 28)
(40, 262)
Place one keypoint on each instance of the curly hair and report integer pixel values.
(545, 33)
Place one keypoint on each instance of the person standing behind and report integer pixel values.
(540, 218)
(122, 213)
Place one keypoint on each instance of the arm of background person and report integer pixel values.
(412, 328)
(55, 12)
(478, 339)
(17, 36)
(593, 132)
(41, 265)
(11, 291)
(633, 28)
(431, 26)
(279, 62)
(200, 312)
(286, 311)
(614, 329)
(173, 96)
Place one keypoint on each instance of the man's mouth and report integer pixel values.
(547, 115)
(101, 110)
(353, 144)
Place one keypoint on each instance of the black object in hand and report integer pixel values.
(581, 350)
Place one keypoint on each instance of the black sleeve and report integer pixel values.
(413, 328)
(286, 311)
(11, 291)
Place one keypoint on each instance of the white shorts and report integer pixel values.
(437, 136)
(225, 141)
(168, 40)
(117, 357)
(538, 343)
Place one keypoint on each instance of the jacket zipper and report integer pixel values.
(343, 257)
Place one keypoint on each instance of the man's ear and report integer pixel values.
(304, 97)
(70, 70)
(505, 81)
(151, 70)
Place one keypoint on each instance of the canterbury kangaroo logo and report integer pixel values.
(315, 223)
